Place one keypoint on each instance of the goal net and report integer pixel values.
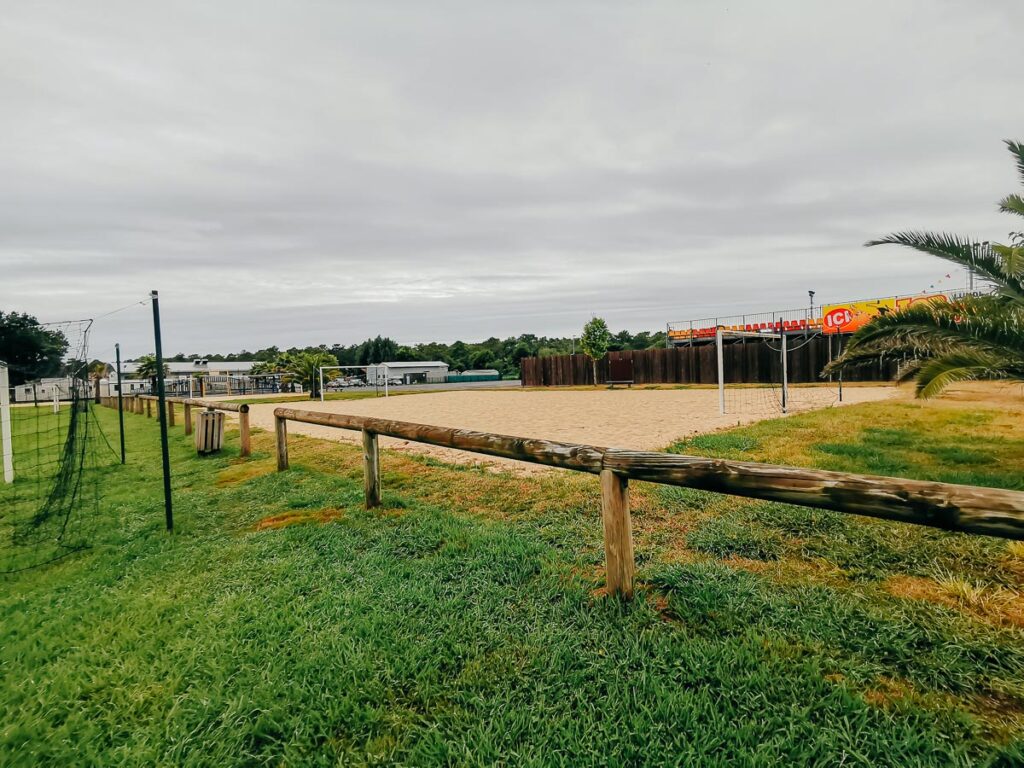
(754, 375)
(52, 453)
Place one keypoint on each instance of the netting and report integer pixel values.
(774, 395)
(54, 450)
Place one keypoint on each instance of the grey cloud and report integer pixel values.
(293, 173)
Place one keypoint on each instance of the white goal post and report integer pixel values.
(6, 446)
(352, 367)
(720, 335)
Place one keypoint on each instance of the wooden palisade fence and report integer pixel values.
(963, 508)
(752, 362)
(145, 403)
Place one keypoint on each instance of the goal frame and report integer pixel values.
(363, 368)
(720, 335)
(6, 444)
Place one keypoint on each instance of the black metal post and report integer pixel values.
(162, 406)
(120, 398)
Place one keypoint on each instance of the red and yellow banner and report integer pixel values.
(848, 317)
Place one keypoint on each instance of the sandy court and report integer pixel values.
(647, 419)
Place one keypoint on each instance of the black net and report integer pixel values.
(50, 486)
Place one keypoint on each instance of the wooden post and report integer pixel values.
(149, 409)
(188, 419)
(281, 442)
(371, 469)
(243, 431)
(618, 534)
(170, 414)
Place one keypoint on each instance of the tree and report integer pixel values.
(97, 370)
(595, 340)
(146, 368)
(977, 337)
(31, 350)
(304, 367)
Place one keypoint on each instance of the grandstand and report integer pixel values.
(826, 319)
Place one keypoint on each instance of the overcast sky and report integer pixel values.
(295, 173)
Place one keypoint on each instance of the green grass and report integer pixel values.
(462, 623)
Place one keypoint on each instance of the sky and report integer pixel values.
(299, 173)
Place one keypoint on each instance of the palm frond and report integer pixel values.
(935, 327)
(1012, 204)
(1017, 150)
(910, 369)
(965, 365)
(1013, 258)
(960, 250)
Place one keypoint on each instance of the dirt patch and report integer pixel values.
(242, 471)
(297, 517)
(1001, 607)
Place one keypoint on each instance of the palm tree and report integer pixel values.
(304, 367)
(97, 370)
(146, 368)
(976, 337)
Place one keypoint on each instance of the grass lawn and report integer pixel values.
(463, 622)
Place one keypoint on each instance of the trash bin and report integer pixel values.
(209, 432)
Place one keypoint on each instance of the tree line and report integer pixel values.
(501, 354)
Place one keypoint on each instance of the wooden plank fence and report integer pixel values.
(968, 509)
(751, 361)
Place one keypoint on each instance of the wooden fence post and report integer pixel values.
(371, 469)
(618, 534)
(281, 441)
(188, 419)
(243, 432)
(170, 414)
(149, 409)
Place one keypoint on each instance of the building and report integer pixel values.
(43, 390)
(433, 372)
(193, 367)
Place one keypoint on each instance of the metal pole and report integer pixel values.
(6, 445)
(785, 375)
(721, 371)
(120, 399)
(839, 346)
(162, 410)
(321, 369)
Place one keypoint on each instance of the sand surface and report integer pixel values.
(623, 418)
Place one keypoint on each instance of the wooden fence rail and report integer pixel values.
(136, 404)
(964, 508)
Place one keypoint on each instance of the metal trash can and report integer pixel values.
(209, 432)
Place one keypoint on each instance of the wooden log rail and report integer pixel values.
(963, 508)
(136, 404)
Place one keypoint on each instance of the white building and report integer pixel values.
(43, 390)
(410, 373)
(192, 367)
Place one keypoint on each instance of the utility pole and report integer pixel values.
(162, 409)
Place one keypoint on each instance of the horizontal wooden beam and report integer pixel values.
(965, 508)
(969, 509)
(582, 458)
(217, 405)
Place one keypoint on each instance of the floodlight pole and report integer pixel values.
(120, 398)
(162, 411)
(6, 446)
(721, 371)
